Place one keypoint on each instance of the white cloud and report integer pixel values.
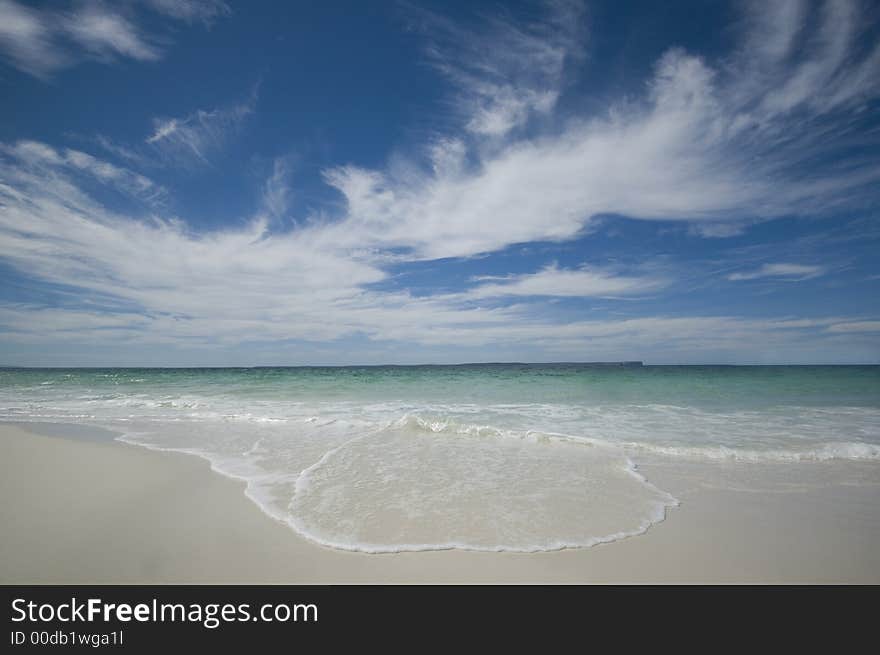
(122, 152)
(25, 319)
(191, 10)
(105, 34)
(856, 326)
(276, 190)
(795, 272)
(510, 71)
(27, 40)
(718, 230)
(553, 281)
(43, 41)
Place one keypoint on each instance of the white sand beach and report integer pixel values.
(81, 510)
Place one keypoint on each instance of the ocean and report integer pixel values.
(495, 457)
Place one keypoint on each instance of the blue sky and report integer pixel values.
(220, 183)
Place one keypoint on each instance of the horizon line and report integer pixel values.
(610, 364)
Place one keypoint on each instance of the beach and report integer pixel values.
(80, 507)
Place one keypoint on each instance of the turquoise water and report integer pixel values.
(704, 386)
(491, 457)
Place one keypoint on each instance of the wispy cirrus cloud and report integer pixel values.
(35, 158)
(41, 42)
(508, 71)
(275, 200)
(105, 35)
(798, 47)
(191, 141)
(791, 272)
(195, 138)
(27, 40)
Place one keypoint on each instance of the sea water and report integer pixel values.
(486, 457)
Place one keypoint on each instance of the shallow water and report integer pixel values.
(487, 457)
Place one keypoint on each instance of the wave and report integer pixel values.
(832, 450)
(819, 453)
(808, 434)
(492, 500)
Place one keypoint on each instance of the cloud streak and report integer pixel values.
(204, 11)
(793, 272)
(856, 326)
(195, 138)
(42, 42)
(555, 282)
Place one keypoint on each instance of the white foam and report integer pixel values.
(389, 492)
(262, 487)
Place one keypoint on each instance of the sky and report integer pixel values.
(212, 183)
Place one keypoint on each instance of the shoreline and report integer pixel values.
(119, 513)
